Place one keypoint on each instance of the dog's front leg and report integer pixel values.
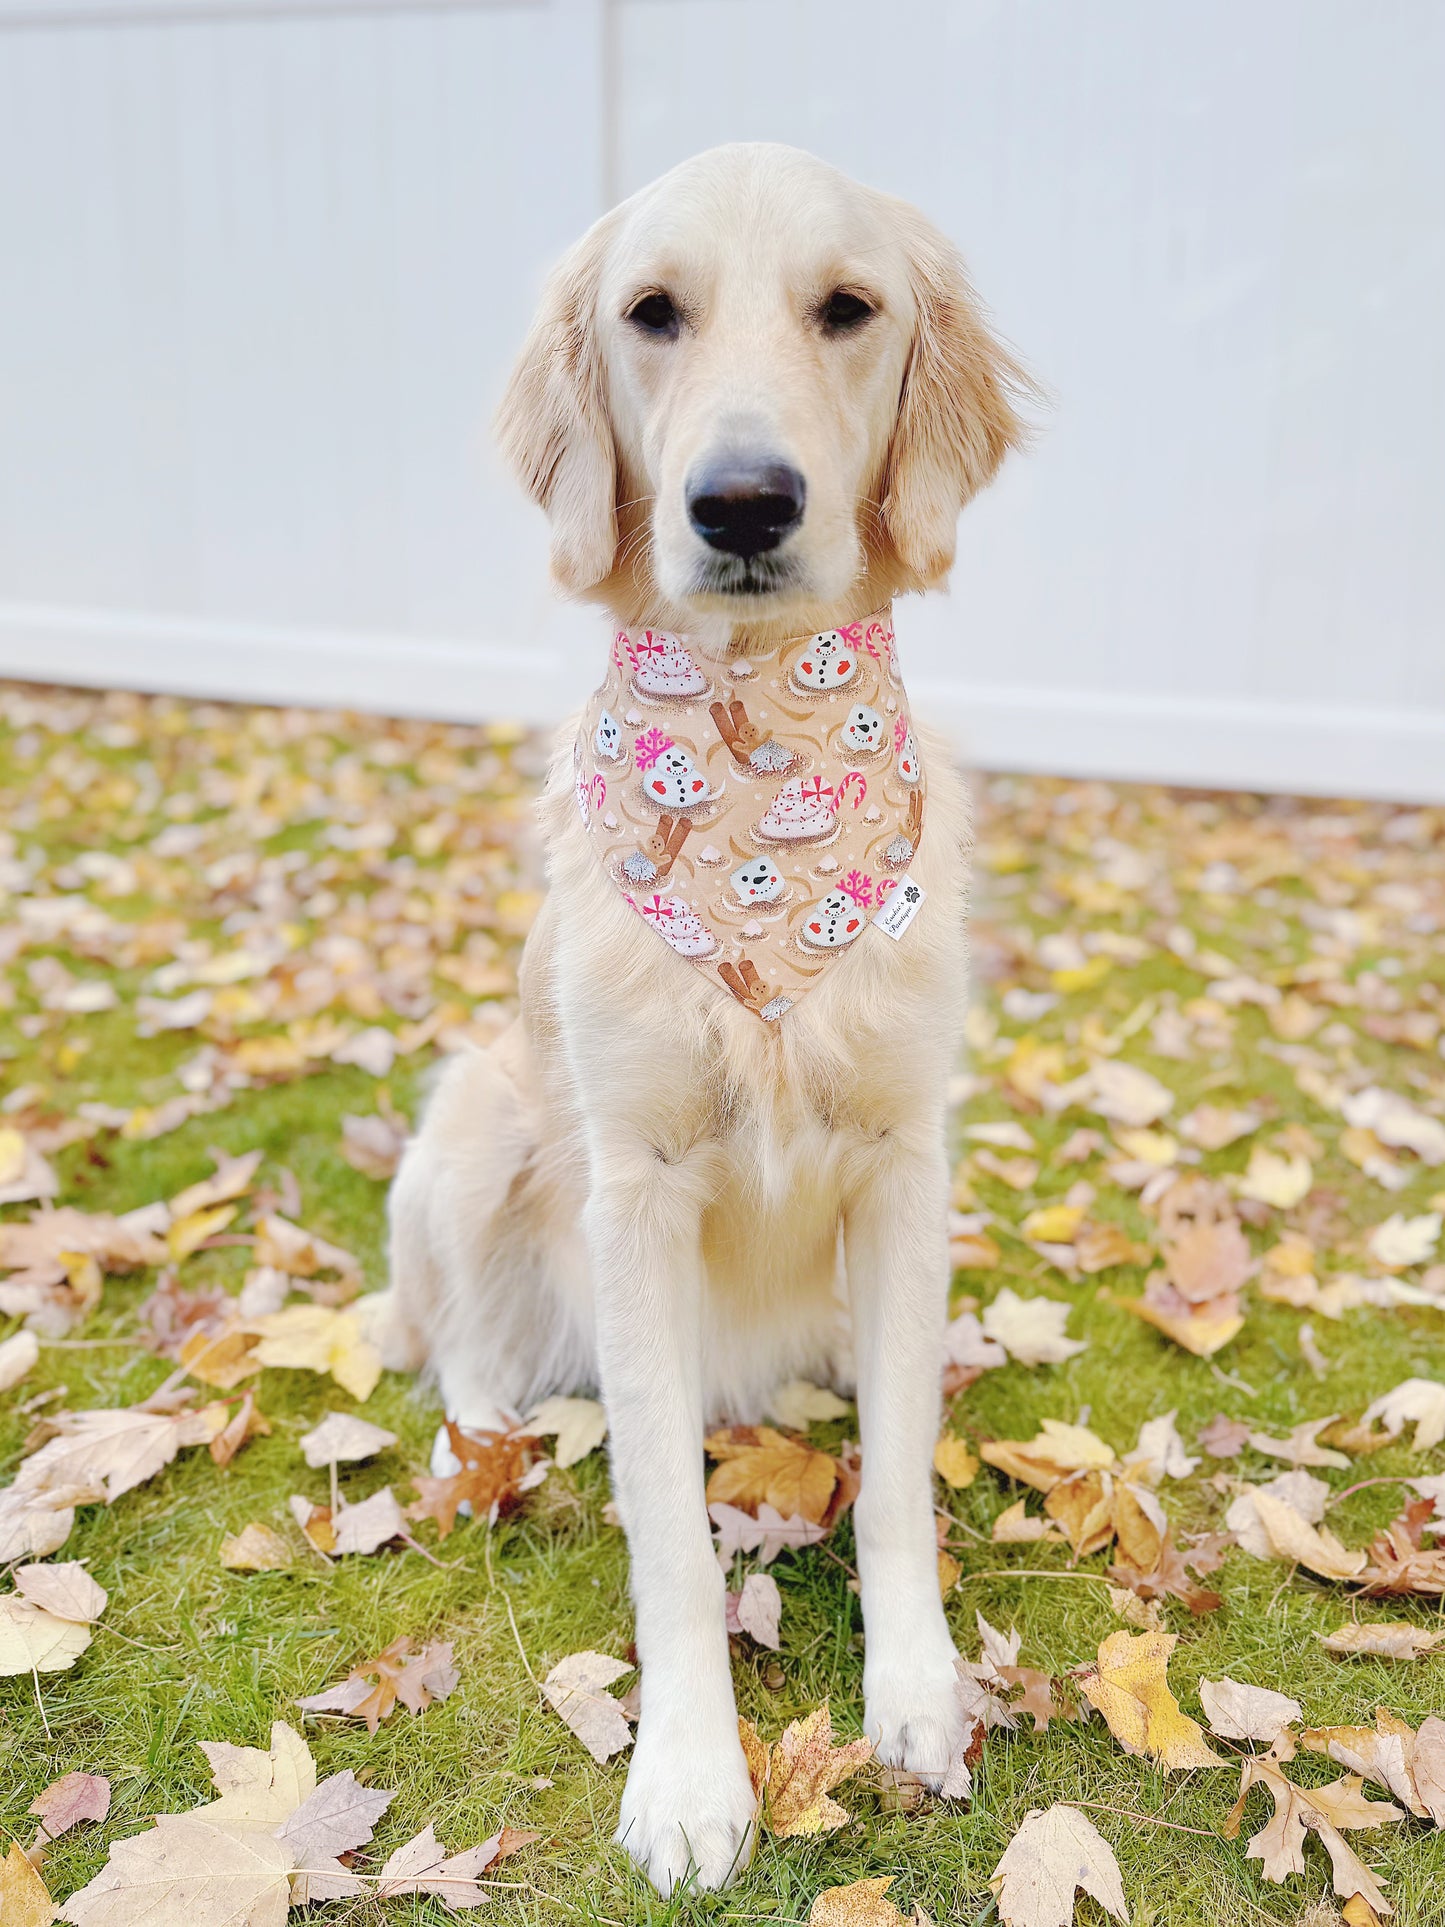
(895, 1231)
(688, 1804)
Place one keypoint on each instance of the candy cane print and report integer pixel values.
(599, 790)
(840, 794)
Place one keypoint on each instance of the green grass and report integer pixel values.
(188, 1651)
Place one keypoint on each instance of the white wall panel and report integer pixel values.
(266, 276)
(263, 265)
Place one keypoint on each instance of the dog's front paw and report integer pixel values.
(914, 1718)
(688, 1808)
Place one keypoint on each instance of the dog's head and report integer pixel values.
(753, 385)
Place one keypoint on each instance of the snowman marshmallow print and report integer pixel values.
(827, 663)
(863, 732)
(608, 740)
(757, 881)
(833, 921)
(674, 783)
(908, 769)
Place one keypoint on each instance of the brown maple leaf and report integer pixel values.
(491, 1477)
(1401, 1563)
(372, 1689)
(758, 1465)
(1170, 1578)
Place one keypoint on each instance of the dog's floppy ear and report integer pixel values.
(553, 425)
(956, 414)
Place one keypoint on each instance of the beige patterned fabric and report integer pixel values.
(758, 812)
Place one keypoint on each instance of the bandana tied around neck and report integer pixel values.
(757, 812)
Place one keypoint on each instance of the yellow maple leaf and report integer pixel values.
(220, 1358)
(1128, 1686)
(25, 1903)
(954, 1463)
(1055, 1451)
(319, 1338)
(794, 1777)
(187, 1234)
(862, 1903)
(761, 1466)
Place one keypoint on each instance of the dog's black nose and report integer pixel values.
(745, 507)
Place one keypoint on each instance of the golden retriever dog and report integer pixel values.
(752, 405)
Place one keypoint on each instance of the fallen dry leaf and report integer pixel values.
(1293, 1538)
(1385, 1639)
(761, 1466)
(1302, 1447)
(1401, 1241)
(319, 1338)
(1014, 1527)
(301, 1254)
(1056, 1854)
(341, 1438)
(68, 1802)
(756, 1609)
(1418, 1401)
(35, 1641)
(362, 1528)
(1031, 1330)
(1239, 1712)
(106, 1453)
(794, 1777)
(256, 1548)
(1223, 1438)
(578, 1424)
(18, 1355)
(1279, 1846)
(66, 1590)
(373, 1145)
(766, 1535)
(1399, 1560)
(494, 1469)
(371, 1690)
(1385, 1752)
(954, 1463)
(1276, 1178)
(862, 1903)
(799, 1404)
(184, 1869)
(575, 1688)
(24, 1901)
(1128, 1686)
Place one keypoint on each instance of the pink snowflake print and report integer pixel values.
(859, 887)
(650, 746)
(900, 733)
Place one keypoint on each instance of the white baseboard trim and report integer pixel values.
(1314, 749)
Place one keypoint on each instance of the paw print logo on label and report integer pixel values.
(608, 740)
(833, 921)
(757, 881)
(863, 731)
(674, 782)
(908, 768)
(829, 662)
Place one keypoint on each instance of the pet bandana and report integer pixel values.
(758, 813)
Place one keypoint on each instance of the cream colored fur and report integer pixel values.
(640, 1187)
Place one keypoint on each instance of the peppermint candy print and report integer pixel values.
(661, 668)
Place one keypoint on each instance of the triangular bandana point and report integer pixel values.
(756, 811)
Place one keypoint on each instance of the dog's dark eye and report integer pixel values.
(842, 312)
(654, 314)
